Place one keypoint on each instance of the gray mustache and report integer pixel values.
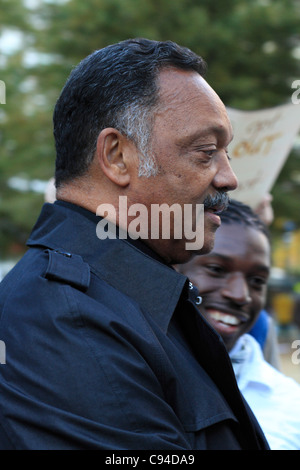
(219, 202)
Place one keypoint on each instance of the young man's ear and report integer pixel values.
(112, 156)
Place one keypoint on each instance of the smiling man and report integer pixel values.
(102, 335)
(232, 280)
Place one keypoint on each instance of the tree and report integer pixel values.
(250, 47)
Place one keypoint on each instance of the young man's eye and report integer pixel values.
(258, 282)
(215, 269)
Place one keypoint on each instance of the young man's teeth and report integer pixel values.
(224, 318)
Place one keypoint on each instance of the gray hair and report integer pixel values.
(136, 122)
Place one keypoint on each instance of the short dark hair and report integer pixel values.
(113, 87)
(238, 212)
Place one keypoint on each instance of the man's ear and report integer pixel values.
(112, 156)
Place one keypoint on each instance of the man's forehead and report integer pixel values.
(184, 93)
(178, 84)
(234, 239)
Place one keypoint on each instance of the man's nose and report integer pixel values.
(236, 289)
(225, 178)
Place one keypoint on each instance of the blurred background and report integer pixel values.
(252, 48)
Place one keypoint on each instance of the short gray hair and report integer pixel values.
(136, 122)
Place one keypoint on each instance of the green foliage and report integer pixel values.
(248, 45)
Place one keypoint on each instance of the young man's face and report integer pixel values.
(232, 280)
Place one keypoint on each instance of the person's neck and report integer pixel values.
(84, 192)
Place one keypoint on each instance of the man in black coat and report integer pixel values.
(101, 334)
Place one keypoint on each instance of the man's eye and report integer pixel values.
(215, 269)
(258, 282)
(209, 153)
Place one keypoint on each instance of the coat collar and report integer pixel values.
(129, 266)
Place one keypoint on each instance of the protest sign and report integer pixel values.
(262, 142)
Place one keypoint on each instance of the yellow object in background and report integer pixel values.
(283, 306)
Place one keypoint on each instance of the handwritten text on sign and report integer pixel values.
(262, 142)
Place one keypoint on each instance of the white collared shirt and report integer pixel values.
(273, 397)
